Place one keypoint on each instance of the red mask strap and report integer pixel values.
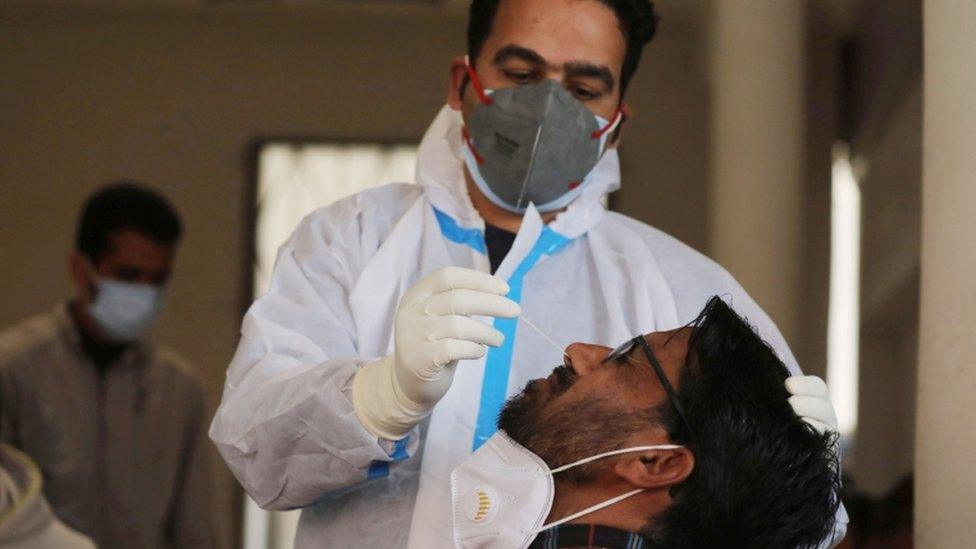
(467, 141)
(617, 116)
(475, 83)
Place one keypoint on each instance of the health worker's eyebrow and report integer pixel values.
(573, 69)
(582, 69)
(512, 51)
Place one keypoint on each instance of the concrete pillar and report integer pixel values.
(757, 150)
(945, 481)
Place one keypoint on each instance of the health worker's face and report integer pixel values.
(591, 405)
(577, 43)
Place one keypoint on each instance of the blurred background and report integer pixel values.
(784, 139)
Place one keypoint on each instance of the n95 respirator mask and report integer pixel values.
(534, 143)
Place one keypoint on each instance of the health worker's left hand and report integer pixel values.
(811, 401)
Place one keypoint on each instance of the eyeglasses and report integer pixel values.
(622, 352)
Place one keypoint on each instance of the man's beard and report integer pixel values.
(561, 434)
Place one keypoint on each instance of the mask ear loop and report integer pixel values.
(609, 502)
(467, 141)
(584, 461)
(484, 98)
(475, 83)
(587, 511)
(617, 117)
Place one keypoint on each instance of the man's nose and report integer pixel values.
(583, 358)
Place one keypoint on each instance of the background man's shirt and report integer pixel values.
(122, 450)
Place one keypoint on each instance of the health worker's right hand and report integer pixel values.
(432, 332)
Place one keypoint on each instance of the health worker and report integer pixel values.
(383, 351)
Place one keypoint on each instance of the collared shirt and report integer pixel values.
(123, 452)
(588, 536)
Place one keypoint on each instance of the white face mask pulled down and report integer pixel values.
(503, 492)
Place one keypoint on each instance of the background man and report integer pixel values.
(745, 472)
(115, 424)
(342, 362)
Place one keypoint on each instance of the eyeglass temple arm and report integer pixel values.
(656, 366)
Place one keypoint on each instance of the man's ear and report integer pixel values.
(625, 114)
(655, 469)
(456, 81)
(78, 271)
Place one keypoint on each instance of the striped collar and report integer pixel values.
(588, 536)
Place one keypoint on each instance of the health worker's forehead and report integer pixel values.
(561, 31)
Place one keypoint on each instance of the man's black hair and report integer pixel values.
(125, 206)
(637, 20)
(762, 477)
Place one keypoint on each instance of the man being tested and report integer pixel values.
(341, 363)
(679, 439)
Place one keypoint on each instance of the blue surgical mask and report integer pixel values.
(125, 311)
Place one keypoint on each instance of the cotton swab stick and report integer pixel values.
(549, 340)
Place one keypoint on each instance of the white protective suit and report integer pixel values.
(286, 425)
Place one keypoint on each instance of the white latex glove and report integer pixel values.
(431, 333)
(811, 401)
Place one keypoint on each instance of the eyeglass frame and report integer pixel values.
(624, 349)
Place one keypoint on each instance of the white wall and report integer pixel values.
(945, 441)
